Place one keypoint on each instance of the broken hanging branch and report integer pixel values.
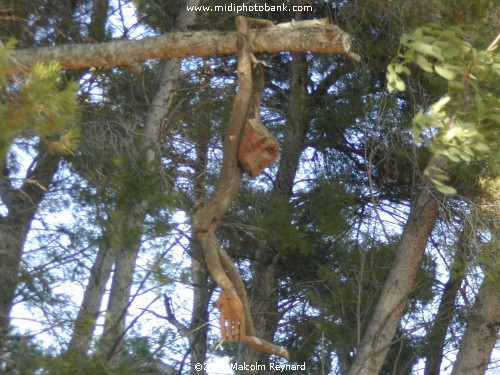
(236, 321)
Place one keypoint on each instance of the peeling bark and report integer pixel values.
(301, 36)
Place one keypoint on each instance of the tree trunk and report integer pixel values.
(99, 273)
(482, 328)
(443, 318)
(114, 327)
(129, 232)
(437, 335)
(296, 130)
(198, 327)
(399, 283)
(121, 236)
(89, 310)
(22, 205)
(343, 359)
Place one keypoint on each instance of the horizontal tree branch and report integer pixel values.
(302, 36)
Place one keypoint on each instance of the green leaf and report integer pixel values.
(450, 134)
(427, 49)
(448, 34)
(481, 147)
(436, 107)
(404, 39)
(465, 156)
(451, 155)
(418, 34)
(400, 85)
(433, 171)
(11, 44)
(455, 85)
(451, 52)
(445, 72)
(424, 64)
(445, 189)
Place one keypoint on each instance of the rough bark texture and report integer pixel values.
(304, 36)
(482, 331)
(391, 305)
(22, 205)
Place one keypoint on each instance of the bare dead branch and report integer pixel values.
(301, 36)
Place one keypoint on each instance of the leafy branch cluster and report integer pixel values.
(38, 104)
(464, 122)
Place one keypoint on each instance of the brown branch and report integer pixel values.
(171, 316)
(235, 319)
(229, 181)
(207, 219)
(302, 36)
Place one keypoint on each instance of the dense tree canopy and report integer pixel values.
(370, 246)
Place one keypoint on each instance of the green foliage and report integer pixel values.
(159, 15)
(464, 122)
(401, 356)
(280, 225)
(325, 208)
(37, 105)
(77, 365)
(21, 355)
